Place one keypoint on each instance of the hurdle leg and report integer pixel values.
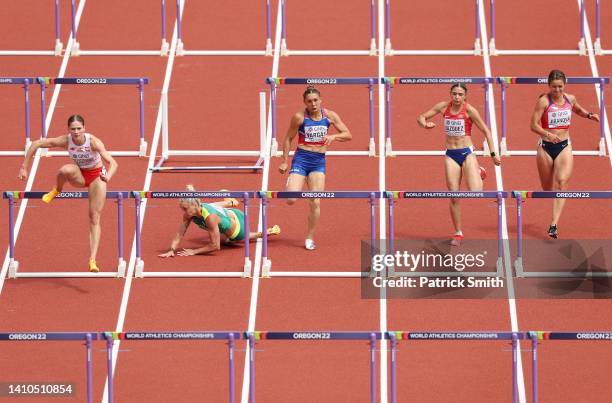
(393, 367)
(143, 144)
(518, 263)
(492, 49)
(373, 368)
(477, 48)
(139, 262)
(109, 365)
(251, 368)
(597, 43)
(388, 47)
(58, 42)
(514, 368)
(499, 266)
(268, 31)
(372, 145)
(534, 366)
(602, 119)
(13, 264)
(232, 382)
(582, 43)
(26, 95)
(372, 29)
(121, 261)
(180, 48)
(266, 263)
(503, 148)
(388, 146)
(75, 43)
(283, 47)
(164, 43)
(89, 365)
(246, 272)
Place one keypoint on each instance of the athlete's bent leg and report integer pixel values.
(97, 198)
(295, 183)
(562, 171)
(68, 173)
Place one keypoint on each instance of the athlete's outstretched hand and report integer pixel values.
(23, 173)
(282, 168)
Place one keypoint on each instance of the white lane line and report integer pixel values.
(595, 72)
(382, 186)
(500, 186)
(130, 272)
(36, 160)
(264, 187)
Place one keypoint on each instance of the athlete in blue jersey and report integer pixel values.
(312, 128)
(222, 222)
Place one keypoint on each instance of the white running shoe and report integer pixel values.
(309, 244)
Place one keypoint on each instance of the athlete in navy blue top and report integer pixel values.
(308, 165)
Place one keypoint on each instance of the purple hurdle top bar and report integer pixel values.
(57, 336)
(391, 81)
(273, 82)
(505, 81)
(26, 82)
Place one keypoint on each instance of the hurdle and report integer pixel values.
(245, 196)
(523, 195)
(396, 337)
(57, 51)
(274, 82)
(260, 336)
(287, 52)
(537, 337)
(599, 83)
(77, 51)
(599, 51)
(87, 81)
(26, 82)
(391, 81)
(497, 195)
(13, 271)
(46, 389)
(389, 51)
(229, 336)
(167, 152)
(180, 47)
(494, 51)
(267, 262)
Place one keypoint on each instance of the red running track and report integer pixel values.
(214, 105)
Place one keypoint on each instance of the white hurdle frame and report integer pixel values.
(494, 51)
(167, 152)
(389, 51)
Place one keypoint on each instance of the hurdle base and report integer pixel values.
(274, 149)
(121, 268)
(265, 267)
(597, 47)
(75, 50)
(164, 48)
(372, 148)
(503, 148)
(485, 148)
(139, 268)
(142, 152)
(389, 148)
(500, 267)
(59, 47)
(283, 49)
(582, 47)
(492, 49)
(12, 269)
(602, 147)
(373, 47)
(269, 51)
(180, 48)
(477, 48)
(28, 143)
(246, 272)
(388, 47)
(518, 267)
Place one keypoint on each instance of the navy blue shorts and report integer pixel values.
(459, 154)
(304, 162)
(554, 149)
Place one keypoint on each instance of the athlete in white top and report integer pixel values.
(87, 152)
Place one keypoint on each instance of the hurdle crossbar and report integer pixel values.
(266, 271)
(245, 196)
(13, 271)
(229, 336)
(494, 51)
(57, 51)
(167, 152)
(389, 51)
(295, 336)
(537, 337)
(180, 48)
(26, 82)
(58, 336)
(514, 337)
(274, 82)
(390, 82)
(428, 194)
(287, 52)
(520, 196)
(77, 51)
(599, 82)
(86, 81)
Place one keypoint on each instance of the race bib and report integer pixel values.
(559, 118)
(454, 127)
(314, 134)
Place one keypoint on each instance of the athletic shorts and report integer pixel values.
(459, 154)
(304, 162)
(90, 175)
(554, 149)
(238, 234)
